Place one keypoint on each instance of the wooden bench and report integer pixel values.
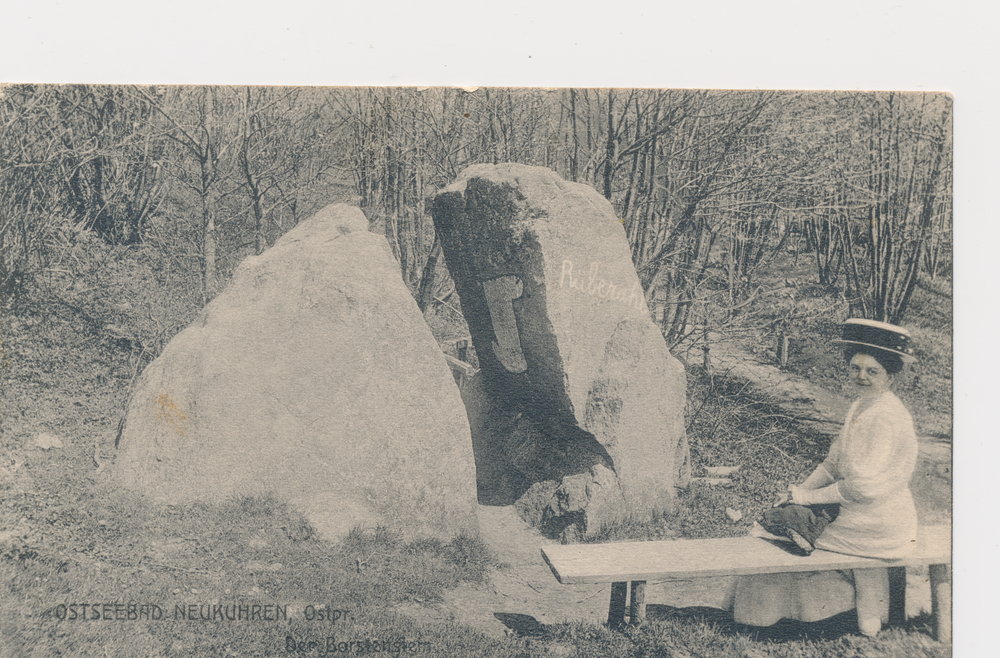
(682, 559)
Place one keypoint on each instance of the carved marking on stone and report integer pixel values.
(500, 295)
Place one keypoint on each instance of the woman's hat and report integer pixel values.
(879, 335)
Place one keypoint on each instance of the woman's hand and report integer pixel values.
(783, 498)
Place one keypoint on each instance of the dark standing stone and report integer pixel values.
(577, 413)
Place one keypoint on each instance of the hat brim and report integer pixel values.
(907, 358)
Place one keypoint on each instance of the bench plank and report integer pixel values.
(736, 556)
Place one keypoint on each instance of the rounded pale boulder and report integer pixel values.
(311, 378)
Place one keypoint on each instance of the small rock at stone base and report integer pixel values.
(734, 515)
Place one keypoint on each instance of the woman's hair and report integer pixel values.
(892, 363)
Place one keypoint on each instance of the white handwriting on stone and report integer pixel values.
(593, 285)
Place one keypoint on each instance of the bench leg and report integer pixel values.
(637, 607)
(897, 596)
(941, 601)
(616, 612)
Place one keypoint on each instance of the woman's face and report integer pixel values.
(868, 376)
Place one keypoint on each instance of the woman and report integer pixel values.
(857, 501)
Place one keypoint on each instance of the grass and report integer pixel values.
(116, 550)
(66, 538)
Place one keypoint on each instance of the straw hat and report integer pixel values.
(879, 335)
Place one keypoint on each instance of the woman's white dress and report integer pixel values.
(871, 463)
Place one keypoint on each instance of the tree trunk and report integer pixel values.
(210, 279)
(609, 152)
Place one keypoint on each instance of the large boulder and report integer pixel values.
(312, 379)
(577, 413)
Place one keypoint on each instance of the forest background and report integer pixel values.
(130, 206)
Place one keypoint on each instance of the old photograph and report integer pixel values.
(476, 371)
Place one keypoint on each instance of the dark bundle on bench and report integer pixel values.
(682, 559)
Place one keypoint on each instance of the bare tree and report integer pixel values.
(30, 151)
(196, 121)
(877, 194)
(74, 154)
(281, 154)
